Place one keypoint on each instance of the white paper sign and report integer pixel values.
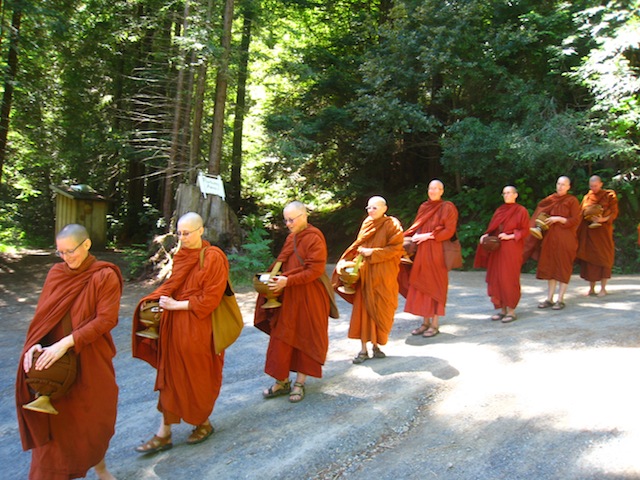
(211, 185)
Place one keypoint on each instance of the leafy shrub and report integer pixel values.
(255, 255)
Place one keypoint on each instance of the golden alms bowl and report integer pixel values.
(349, 276)
(541, 226)
(261, 285)
(150, 315)
(591, 212)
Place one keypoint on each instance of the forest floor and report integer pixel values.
(553, 395)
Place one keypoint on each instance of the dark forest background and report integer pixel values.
(325, 101)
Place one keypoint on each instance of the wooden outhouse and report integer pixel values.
(82, 204)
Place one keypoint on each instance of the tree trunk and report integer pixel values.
(196, 128)
(215, 154)
(221, 225)
(238, 121)
(167, 204)
(12, 70)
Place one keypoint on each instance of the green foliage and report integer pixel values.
(255, 255)
(136, 258)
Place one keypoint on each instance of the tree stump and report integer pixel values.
(221, 226)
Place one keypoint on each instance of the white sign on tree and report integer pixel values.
(211, 185)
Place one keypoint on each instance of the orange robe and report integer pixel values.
(557, 250)
(428, 282)
(596, 249)
(504, 265)
(376, 297)
(189, 373)
(67, 445)
(299, 329)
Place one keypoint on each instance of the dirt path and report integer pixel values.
(550, 396)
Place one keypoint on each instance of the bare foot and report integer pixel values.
(602, 293)
(102, 472)
(590, 293)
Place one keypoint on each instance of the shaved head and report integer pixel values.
(192, 219)
(73, 231)
(376, 207)
(296, 207)
(295, 216)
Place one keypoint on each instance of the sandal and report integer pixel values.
(509, 318)
(558, 306)
(361, 357)
(377, 353)
(156, 444)
(285, 388)
(200, 434)
(296, 397)
(421, 329)
(545, 304)
(431, 332)
(498, 316)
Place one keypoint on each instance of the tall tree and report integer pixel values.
(222, 81)
(12, 70)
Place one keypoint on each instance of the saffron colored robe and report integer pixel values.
(189, 373)
(299, 329)
(376, 297)
(504, 265)
(67, 445)
(556, 251)
(596, 249)
(428, 281)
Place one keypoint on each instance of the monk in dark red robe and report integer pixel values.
(299, 329)
(189, 373)
(428, 280)
(379, 245)
(510, 223)
(556, 251)
(596, 249)
(67, 445)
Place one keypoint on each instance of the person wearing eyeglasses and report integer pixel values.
(557, 250)
(299, 329)
(510, 224)
(428, 283)
(189, 372)
(379, 242)
(80, 294)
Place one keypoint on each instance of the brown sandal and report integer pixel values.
(285, 388)
(297, 396)
(156, 444)
(200, 433)
(431, 332)
(421, 329)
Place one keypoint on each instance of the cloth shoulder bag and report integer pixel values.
(452, 252)
(226, 319)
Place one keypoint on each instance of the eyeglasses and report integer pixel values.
(370, 208)
(508, 193)
(186, 234)
(69, 252)
(291, 220)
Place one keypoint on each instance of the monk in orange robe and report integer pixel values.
(67, 445)
(556, 251)
(189, 372)
(379, 243)
(428, 281)
(596, 249)
(510, 223)
(299, 329)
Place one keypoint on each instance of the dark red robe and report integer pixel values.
(596, 249)
(299, 329)
(556, 251)
(504, 265)
(189, 371)
(67, 445)
(428, 281)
